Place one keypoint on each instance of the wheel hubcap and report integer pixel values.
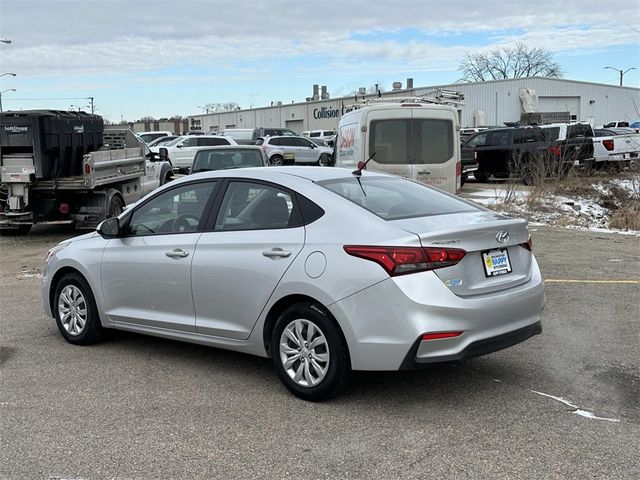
(304, 353)
(72, 310)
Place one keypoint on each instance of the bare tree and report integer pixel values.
(221, 107)
(509, 62)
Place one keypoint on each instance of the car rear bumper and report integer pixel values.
(384, 323)
(475, 349)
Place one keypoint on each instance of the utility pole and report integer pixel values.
(91, 104)
(621, 72)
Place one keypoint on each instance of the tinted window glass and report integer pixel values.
(579, 130)
(434, 140)
(498, 138)
(210, 142)
(190, 142)
(393, 198)
(252, 206)
(289, 142)
(275, 141)
(178, 210)
(390, 140)
(223, 159)
(527, 135)
(314, 134)
(477, 141)
(260, 141)
(552, 133)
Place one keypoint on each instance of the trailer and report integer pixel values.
(65, 168)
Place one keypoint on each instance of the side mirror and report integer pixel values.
(313, 145)
(179, 145)
(109, 228)
(164, 154)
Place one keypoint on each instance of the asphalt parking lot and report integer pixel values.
(139, 407)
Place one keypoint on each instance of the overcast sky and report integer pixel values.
(162, 58)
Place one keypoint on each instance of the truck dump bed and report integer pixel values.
(57, 140)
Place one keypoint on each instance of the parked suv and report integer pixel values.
(181, 151)
(302, 150)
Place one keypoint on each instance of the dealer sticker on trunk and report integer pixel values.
(496, 262)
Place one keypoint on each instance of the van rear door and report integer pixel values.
(390, 136)
(436, 148)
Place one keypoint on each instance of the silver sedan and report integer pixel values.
(323, 270)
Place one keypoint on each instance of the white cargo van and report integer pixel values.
(416, 140)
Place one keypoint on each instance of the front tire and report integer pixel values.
(75, 311)
(309, 353)
(481, 176)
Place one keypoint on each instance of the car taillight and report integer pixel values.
(555, 150)
(608, 144)
(403, 260)
(362, 165)
(87, 168)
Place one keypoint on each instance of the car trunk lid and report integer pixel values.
(497, 257)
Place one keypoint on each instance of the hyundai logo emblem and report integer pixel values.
(502, 236)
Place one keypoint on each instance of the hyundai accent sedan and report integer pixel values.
(323, 270)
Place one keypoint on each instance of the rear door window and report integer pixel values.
(210, 142)
(498, 138)
(433, 140)
(391, 141)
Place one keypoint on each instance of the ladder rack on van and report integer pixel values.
(439, 96)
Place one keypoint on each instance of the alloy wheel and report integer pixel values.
(72, 310)
(304, 353)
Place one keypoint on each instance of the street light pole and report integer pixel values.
(7, 90)
(621, 72)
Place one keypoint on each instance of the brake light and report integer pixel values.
(410, 105)
(87, 168)
(555, 150)
(608, 144)
(458, 176)
(403, 260)
(528, 244)
(440, 335)
(64, 208)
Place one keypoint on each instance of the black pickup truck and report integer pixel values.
(520, 151)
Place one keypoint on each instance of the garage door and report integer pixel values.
(560, 104)
(295, 125)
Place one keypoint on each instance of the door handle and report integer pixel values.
(276, 253)
(177, 253)
(424, 172)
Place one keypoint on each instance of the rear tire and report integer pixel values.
(481, 176)
(74, 309)
(115, 204)
(276, 161)
(309, 353)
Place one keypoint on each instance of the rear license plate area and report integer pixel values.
(496, 262)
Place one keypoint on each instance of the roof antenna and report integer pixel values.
(362, 166)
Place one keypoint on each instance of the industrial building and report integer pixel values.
(485, 103)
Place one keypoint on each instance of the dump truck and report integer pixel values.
(65, 168)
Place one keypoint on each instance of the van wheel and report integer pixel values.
(276, 161)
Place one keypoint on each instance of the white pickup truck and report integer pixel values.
(617, 145)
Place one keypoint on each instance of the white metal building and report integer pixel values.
(485, 103)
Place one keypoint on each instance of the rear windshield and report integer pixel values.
(393, 198)
(579, 130)
(222, 159)
(407, 141)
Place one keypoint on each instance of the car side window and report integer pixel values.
(478, 140)
(210, 142)
(289, 142)
(178, 210)
(253, 206)
(189, 142)
(275, 141)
